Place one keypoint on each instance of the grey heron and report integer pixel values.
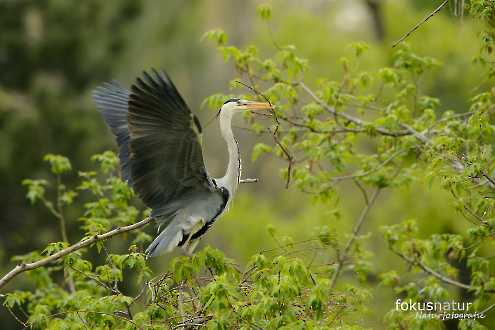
(160, 153)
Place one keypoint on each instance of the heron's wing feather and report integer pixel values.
(166, 155)
(111, 100)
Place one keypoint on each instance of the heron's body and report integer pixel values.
(161, 157)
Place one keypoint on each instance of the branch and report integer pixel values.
(116, 315)
(490, 180)
(360, 175)
(424, 20)
(290, 158)
(85, 242)
(407, 131)
(248, 180)
(436, 274)
(59, 214)
(357, 228)
(24, 324)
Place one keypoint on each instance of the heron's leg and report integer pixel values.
(190, 248)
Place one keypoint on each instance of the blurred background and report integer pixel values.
(53, 53)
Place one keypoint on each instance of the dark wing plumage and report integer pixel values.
(166, 156)
(161, 157)
(112, 102)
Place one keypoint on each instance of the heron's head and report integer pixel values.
(238, 105)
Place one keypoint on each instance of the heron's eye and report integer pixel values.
(232, 100)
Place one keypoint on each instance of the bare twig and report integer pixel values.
(81, 244)
(355, 232)
(424, 20)
(24, 324)
(189, 325)
(436, 274)
(248, 180)
(83, 321)
(359, 175)
(362, 190)
(97, 280)
(285, 151)
(290, 158)
(487, 309)
(180, 306)
(60, 212)
(490, 179)
(475, 216)
(116, 315)
(283, 247)
(63, 229)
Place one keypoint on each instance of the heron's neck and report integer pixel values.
(233, 174)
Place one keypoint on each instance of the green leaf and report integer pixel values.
(36, 189)
(58, 164)
(264, 11)
(53, 248)
(359, 48)
(260, 149)
(16, 298)
(67, 197)
(217, 35)
(108, 161)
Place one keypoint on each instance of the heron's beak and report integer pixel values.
(251, 105)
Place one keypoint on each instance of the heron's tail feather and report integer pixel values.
(168, 239)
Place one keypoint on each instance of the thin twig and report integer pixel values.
(185, 325)
(99, 313)
(378, 167)
(355, 232)
(247, 180)
(362, 190)
(23, 267)
(288, 245)
(424, 20)
(285, 151)
(486, 176)
(355, 120)
(24, 324)
(180, 305)
(97, 280)
(83, 321)
(436, 274)
(143, 289)
(487, 309)
(60, 212)
(290, 158)
(475, 216)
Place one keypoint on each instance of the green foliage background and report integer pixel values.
(53, 53)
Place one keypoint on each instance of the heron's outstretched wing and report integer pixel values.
(166, 156)
(161, 157)
(112, 101)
